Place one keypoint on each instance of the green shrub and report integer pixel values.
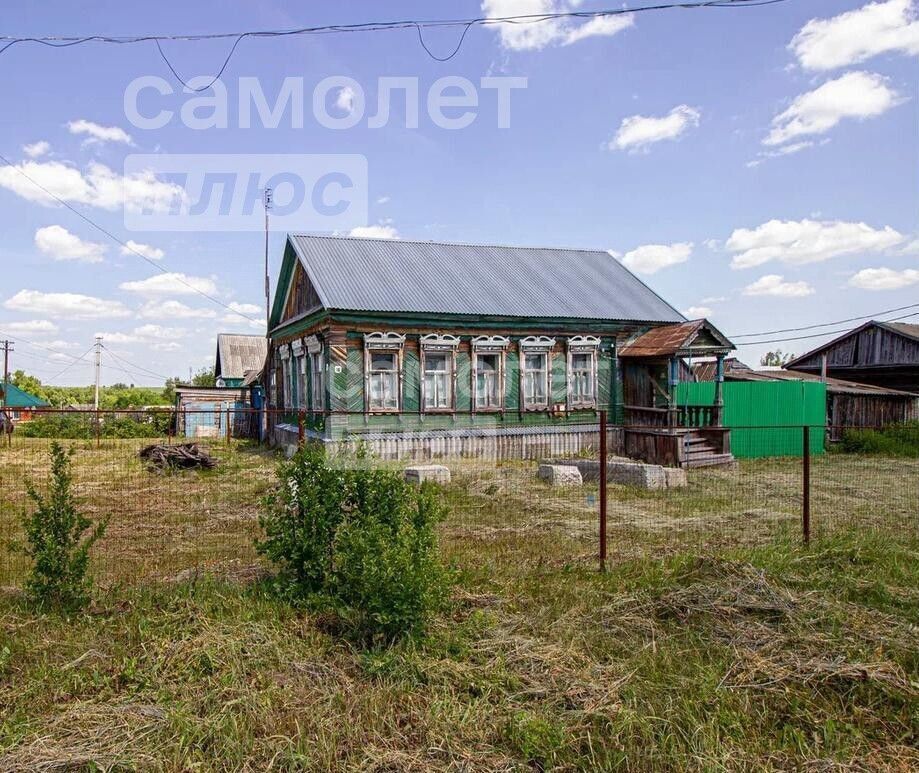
(82, 425)
(893, 440)
(356, 541)
(58, 538)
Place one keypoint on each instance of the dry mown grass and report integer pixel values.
(765, 659)
(715, 641)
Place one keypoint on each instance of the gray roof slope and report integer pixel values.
(395, 275)
(239, 353)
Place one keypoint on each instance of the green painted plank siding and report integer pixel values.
(411, 381)
(766, 417)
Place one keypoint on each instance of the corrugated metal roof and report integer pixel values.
(239, 353)
(833, 385)
(394, 275)
(673, 339)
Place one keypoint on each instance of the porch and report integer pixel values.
(657, 428)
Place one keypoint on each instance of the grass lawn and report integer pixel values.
(754, 659)
(714, 642)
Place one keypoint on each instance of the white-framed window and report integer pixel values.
(383, 371)
(583, 352)
(297, 375)
(536, 372)
(286, 370)
(488, 359)
(317, 373)
(438, 369)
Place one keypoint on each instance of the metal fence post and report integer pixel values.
(602, 491)
(98, 429)
(806, 492)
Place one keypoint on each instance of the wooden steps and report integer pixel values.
(699, 451)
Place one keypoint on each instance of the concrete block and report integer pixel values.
(419, 473)
(560, 474)
(627, 472)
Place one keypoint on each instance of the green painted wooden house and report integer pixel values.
(427, 348)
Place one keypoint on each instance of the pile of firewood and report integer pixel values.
(181, 456)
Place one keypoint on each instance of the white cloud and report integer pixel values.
(884, 278)
(344, 101)
(145, 334)
(171, 283)
(36, 149)
(380, 231)
(131, 248)
(98, 133)
(383, 200)
(858, 35)
(66, 305)
(171, 309)
(698, 312)
(37, 327)
(60, 345)
(806, 241)
(60, 244)
(774, 284)
(858, 95)
(651, 258)
(246, 308)
(638, 131)
(536, 35)
(97, 186)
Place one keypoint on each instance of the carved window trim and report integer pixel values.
(536, 345)
(388, 342)
(495, 345)
(582, 344)
(440, 344)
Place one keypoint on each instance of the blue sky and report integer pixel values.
(758, 166)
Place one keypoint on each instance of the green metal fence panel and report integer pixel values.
(765, 417)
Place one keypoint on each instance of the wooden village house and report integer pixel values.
(426, 349)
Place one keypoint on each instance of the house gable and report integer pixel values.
(296, 295)
(871, 345)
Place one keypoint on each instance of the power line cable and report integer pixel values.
(825, 324)
(377, 26)
(821, 335)
(135, 366)
(124, 244)
(58, 375)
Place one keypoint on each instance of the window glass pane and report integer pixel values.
(382, 361)
(534, 379)
(437, 393)
(435, 362)
(488, 381)
(581, 360)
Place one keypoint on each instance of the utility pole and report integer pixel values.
(98, 370)
(7, 348)
(267, 202)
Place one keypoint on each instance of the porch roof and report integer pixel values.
(697, 337)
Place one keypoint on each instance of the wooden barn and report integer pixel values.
(885, 354)
(425, 349)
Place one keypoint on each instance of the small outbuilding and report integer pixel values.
(18, 404)
(884, 354)
(238, 355)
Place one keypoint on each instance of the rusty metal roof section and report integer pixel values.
(833, 385)
(237, 354)
(696, 337)
(395, 275)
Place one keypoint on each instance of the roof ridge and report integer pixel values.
(346, 237)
